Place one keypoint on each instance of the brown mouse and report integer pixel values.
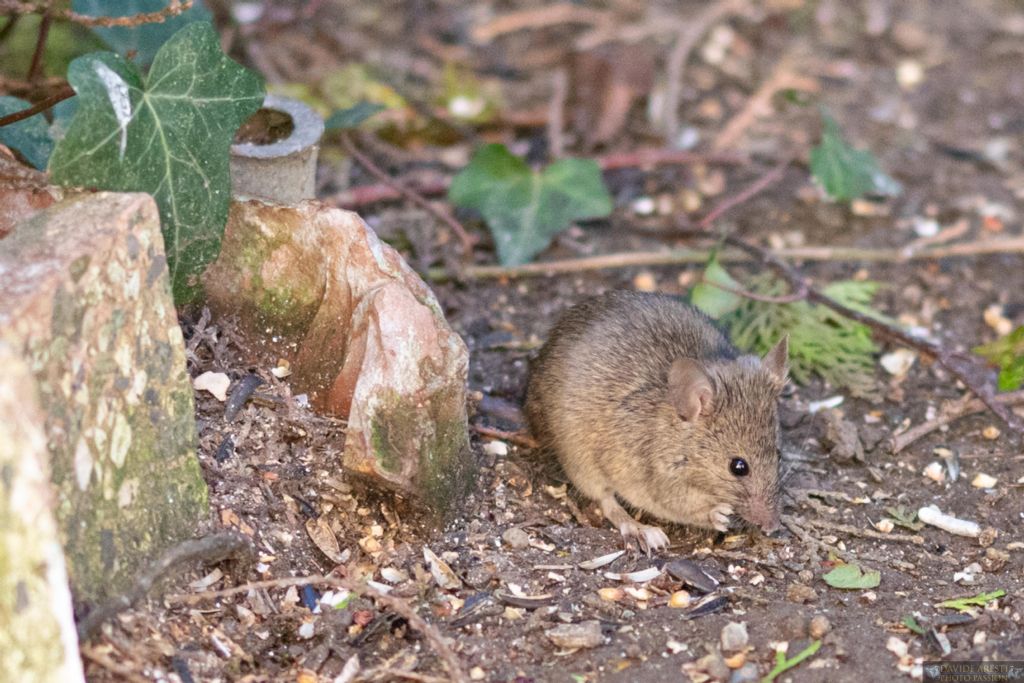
(642, 397)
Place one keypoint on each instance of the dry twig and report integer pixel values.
(783, 77)
(173, 8)
(689, 33)
(399, 606)
(540, 17)
(967, 405)
(673, 257)
(518, 438)
(442, 215)
(63, 94)
(212, 548)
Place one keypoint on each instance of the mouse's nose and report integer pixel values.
(764, 515)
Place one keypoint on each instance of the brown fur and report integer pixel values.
(600, 397)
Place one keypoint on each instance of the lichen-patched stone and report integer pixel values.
(85, 302)
(366, 338)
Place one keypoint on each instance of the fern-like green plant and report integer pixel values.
(822, 342)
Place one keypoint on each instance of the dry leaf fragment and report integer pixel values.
(439, 569)
(324, 539)
(216, 383)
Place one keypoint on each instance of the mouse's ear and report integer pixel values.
(689, 389)
(776, 362)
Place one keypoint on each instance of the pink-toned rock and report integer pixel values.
(365, 336)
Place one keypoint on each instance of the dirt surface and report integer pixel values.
(953, 141)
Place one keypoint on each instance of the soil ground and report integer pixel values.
(953, 141)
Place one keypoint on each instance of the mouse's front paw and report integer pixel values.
(719, 516)
(649, 538)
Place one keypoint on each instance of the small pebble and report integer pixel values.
(820, 625)
(477, 674)
(576, 636)
(991, 432)
(516, 538)
(611, 594)
(800, 593)
(935, 472)
(734, 636)
(745, 674)
(884, 525)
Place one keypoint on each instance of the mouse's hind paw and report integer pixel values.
(649, 538)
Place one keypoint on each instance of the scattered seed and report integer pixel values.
(884, 525)
(935, 472)
(439, 569)
(692, 575)
(611, 594)
(602, 561)
(679, 600)
(641, 576)
(820, 625)
(991, 432)
(984, 481)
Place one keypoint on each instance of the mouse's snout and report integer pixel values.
(764, 514)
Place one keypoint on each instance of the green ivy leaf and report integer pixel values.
(851, 576)
(847, 173)
(168, 134)
(31, 136)
(715, 301)
(145, 39)
(1006, 353)
(525, 209)
(353, 116)
(910, 622)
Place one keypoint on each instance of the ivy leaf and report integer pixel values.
(31, 136)
(715, 301)
(353, 116)
(1008, 354)
(851, 576)
(145, 39)
(168, 135)
(910, 622)
(847, 173)
(525, 209)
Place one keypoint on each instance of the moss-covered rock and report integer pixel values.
(85, 301)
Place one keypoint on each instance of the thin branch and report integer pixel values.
(37, 55)
(689, 34)
(964, 368)
(212, 548)
(540, 17)
(755, 188)
(65, 93)
(951, 413)
(442, 215)
(174, 8)
(783, 77)
(395, 603)
(674, 257)
(364, 195)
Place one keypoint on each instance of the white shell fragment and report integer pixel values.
(935, 517)
(830, 402)
(898, 362)
(216, 383)
(602, 561)
(984, 481)
(641, 576)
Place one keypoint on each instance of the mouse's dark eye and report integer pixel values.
(739, 467)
